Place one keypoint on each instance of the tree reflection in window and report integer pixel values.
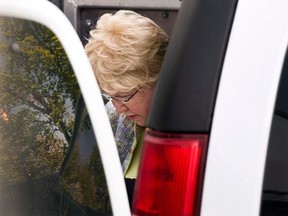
(40, 174)
(38, 93)
(82, 178)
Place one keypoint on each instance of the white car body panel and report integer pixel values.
(46, 13)
(244, 108)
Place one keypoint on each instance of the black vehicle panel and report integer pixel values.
(186, 91)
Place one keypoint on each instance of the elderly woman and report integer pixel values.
(126, 51)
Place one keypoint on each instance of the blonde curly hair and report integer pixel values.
(126, 51)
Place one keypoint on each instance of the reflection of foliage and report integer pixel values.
(50, 150)
(84, 179)
(38, 92)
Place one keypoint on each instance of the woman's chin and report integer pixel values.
(140, 122)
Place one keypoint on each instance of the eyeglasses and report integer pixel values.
(123, 100)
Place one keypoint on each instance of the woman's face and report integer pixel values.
(137, 108)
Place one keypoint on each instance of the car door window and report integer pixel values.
(275, 186)
(49, 159)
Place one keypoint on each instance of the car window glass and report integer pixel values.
(275, 186)
(49, 159)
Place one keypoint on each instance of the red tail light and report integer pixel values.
(170, 175)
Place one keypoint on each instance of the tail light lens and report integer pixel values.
(170, 175)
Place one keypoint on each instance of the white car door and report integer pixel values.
(244, 109)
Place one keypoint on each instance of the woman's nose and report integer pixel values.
(120, 107)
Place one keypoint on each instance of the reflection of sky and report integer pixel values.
(45, 118)
(86, 142)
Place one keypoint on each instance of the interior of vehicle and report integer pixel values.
(275, 187)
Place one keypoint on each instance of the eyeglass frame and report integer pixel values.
(119, 99)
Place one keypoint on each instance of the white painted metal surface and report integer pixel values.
(244, 107)
(46, 13)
